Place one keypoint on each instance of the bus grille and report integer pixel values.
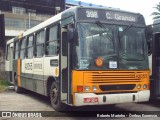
(117, 87)
(114, 80)
(110, 77)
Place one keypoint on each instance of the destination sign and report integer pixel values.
(121, 16)
(101, 14)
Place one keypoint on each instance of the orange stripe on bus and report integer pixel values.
(18, 71)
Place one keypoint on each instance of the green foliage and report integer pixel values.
(3, 82)
(3, 85)
(157, 13)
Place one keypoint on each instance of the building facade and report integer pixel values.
(20, 15)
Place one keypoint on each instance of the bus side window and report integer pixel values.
(16, 50)
(39, 45)
(29, 53)
(52, 45)
(22, 48)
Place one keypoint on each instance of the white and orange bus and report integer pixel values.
(82, 56)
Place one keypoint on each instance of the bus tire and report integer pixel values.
(54, 98)
(16, 87)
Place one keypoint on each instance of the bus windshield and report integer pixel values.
(131, 42)
(120, 47)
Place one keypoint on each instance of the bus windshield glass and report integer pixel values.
(131, 43)
(119, 47)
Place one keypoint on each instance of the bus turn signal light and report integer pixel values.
(79, 88)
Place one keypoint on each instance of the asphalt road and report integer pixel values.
(29, 101)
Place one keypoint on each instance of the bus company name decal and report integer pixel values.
(29, 66)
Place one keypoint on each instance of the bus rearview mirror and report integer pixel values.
(70, 35)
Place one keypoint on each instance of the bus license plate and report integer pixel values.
(91, 100)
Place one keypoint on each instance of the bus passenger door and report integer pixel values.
(65, 76)
(156, 65)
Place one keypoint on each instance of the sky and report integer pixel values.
(145, 7)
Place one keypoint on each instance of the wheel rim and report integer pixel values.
(54, 95)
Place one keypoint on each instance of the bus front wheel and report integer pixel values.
(54, 98)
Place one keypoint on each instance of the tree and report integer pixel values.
(156, 14)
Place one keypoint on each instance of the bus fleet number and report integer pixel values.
(91, 14)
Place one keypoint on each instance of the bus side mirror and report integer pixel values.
(70, 34)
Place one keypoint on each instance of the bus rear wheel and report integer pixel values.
(16, 87)
(54, 98)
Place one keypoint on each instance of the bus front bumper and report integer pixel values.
(82, 99)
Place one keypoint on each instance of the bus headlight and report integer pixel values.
(94, 88)
(139, 86)
(86, 88)
(145, 86)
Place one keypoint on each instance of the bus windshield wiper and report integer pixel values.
(99, 24)
(110, 37)
(125, 30)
